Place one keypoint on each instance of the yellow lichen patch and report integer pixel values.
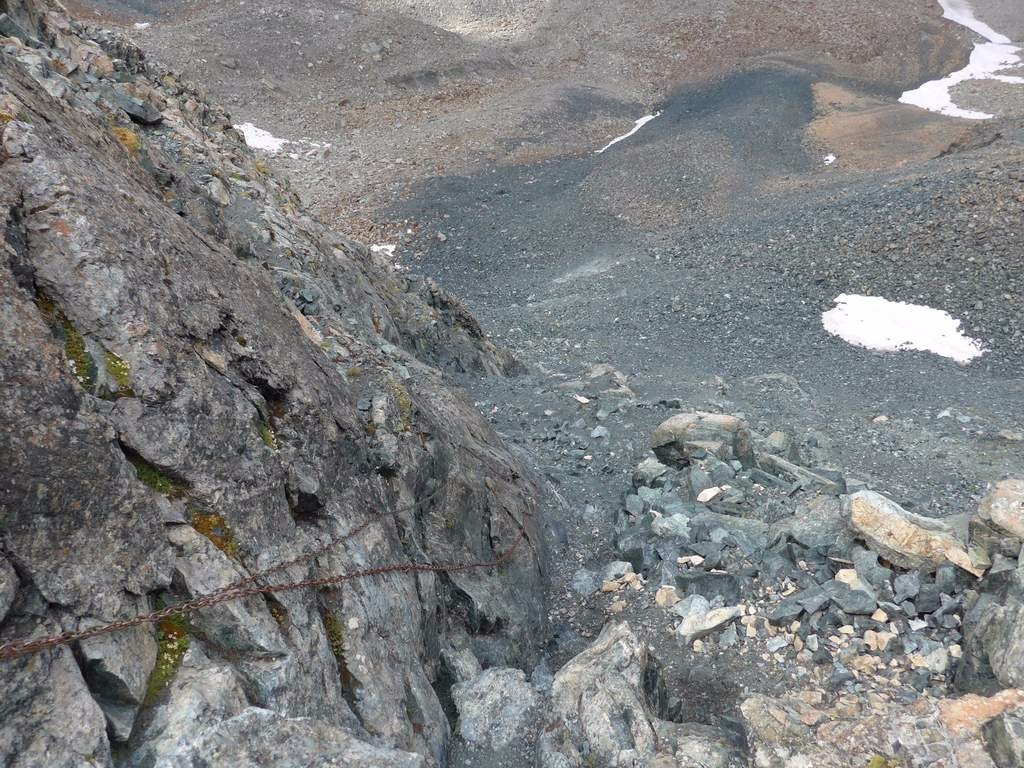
(216, 529)
(172, 642)
(5, 117)
(878, 761)
(280, 614)
(268, 436)
(120, 372)
(128, 139)
(261, 168)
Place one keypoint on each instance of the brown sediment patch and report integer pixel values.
(867, 133)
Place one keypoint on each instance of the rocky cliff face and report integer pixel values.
(201, 382)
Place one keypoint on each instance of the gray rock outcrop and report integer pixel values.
(202, 382)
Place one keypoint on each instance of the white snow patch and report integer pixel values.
(142, 25)
(829, 159)
(257, 138)
(385, 248)
(961, 12)
(891, 326)
(388, 251)
(987, 61)
(636, 127)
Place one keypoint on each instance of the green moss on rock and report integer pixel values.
(156, 479)
(172, 642)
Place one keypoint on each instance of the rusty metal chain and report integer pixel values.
(248, 587)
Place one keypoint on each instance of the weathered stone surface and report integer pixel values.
(687, 435)
(673, 525)
(692, 744)
(649, 472)
(1004, 737)
(994, 640)
(827, 480)
(787, 732)
(47, 717)
(202, 694)
(260, 737)
(604, 688)
(117, 668)
(817, 523)
(460, 663)
(903, 538)
(495, 708)
(237, 625)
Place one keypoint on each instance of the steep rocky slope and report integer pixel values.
(200, 382)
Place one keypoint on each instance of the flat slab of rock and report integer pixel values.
(903, 538)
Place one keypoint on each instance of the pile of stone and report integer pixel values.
(747, 546)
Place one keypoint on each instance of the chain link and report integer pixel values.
(249, 586)
(246, 588)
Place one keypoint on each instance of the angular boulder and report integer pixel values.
(686, 436)
(994, 640)
(698, 625)
(904, 538)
